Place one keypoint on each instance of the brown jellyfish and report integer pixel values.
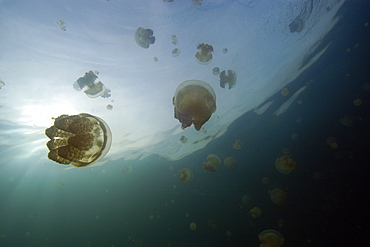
(194, 103)
(255, 212)
(229, 78)
(357, 102)
(278, 196)
(284, 91)
(271, 238)
(285, 164)
(79, 140)
(193, 226)
(204, 56)
(237, 144)
(144, 37)
(185, 175)
(296, 25)
(212, 162)
(230, 162)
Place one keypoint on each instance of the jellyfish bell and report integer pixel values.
(296, 25)
(213, 161)
(216, 70)
(90, 86)
(144, 37)
(278, 196)
(285, 164)
(204, 55)
(176, 52)
(193, 225)
(255, 212)
(79, 140)
(127, 169)
(185, 175)
(271, 238)
(230, 162)
(228, 78)
(194, 102)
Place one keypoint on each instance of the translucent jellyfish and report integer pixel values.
(194, 102)
(185, 175)
(225, 50)
(197, 2)
(230, 78)
(296, 25)
(332, 142)
(278, 196)
(92, 88)
(284, 92)
(155, 59)
(216, 70)
(174, 39)
(204, 55)
(183, 139)
(230, 162)
(176, 52)
(144, 37)
(193, 226)
(348, 120)
(237, 144)
(2, 84)
(285, 164)
(271, 238)
(127, 169)
(228, 233)
(79, 140)
(356, 102)
(212, 162)
(109, 107)
(62, 25)
(255, 212)
(266, 180)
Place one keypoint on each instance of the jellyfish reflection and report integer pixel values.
(92, 87)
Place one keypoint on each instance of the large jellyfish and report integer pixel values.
(194, 103)
(278, 196)
(92, 88)
(285, 164)
(271, 238)
(144, 37)
(185, 175)
(229, 78)
(204, 56)
(212, 162)
(79, 140)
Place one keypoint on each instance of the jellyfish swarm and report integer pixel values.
(229, 78)
(185, 175)
(144, 37)
(212, 162)
(204, 55)
(271, 238)
(92, 87)
(79, 140)
(285, 164)
(278, 196)
(194, 102)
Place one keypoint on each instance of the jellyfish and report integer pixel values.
(278, 196)
(193, 226)
(237, 144)
(296, 25)
(92, 88)
(247, 200)
(204, 56)
(127, 169)
(194, 102)
(216, 70)
(285, 164)
(144, 37)
(109, 107)
(332, 142)
(225, 50)
(284, 91)
(348, 120)
(174, 39)
(185, 175)
(176, 52)
(197, 2)
(266, 180)
(61, 25)
(230, 162)
(2, 84)
(356, 102)
(230, 78)
(212, 162)
(255, 212)
(79, 140)
(155, 59)
(183, 139)
(271, 238)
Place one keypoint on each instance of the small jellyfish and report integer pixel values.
(266, 180)
(285, 164)
(255, 212)
(176, 52)
(230, 78)
(91, 87)
(127, 169)
(237, 144)
(247, 200)
(204, 55)
(194, 102)
(332, 142)
(183, 139)
(2, 84)
(144, 37)
(212, 162)
(174, 39)
(271, 238)
(348, 120)
(284, 92)
(109, 107)
(155, 59)
(216, 70)
(356, 102)
(185, 175)
(61, 25)
(79, 140)
(278, 196)
(197, 2)
(230, 162)
(193, 226)
(225, 50)
(296, 25)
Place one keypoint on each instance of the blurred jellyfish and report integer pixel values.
(144, 37)
(216, 70)
(212, 162)
(61, 25)
(255, 212)
(92, 88)
(79, 140)
(127, 169)
(280, 223)
(271, 238)
(183, 139)
(284, 91)
(109, 107)
(357, 102)
(176, 52)
(348, 120)
(247, 200)
(155, 59)
(285, 164)
(193, 226)
(225, 50)
(204, 56)
(174, 39)
(278, 196)
(230, 78)
(2, 84)
(194, 103)
(230, 162)
(237, 144)
(185, 175)
(228, 233)
(296, 25)
(197, 2)
(332, 142)
(266, 180)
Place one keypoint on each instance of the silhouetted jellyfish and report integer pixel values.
(225, 50)
(155, 59)
(212, 162)
(230, 78)
(296, 25)
(204, 56)
(79, 140)
(285, 164)
(193, 226)
(176, 52)
(62, 25)
(216, 70)
(2, 84)
(127, 169)
(183, 139)
(185, 175)
(174, 39)
(237, 144)
(92, 87)
(230, 162)
(278, 196)
(144, 37)
(197, 2)
(271, 238)
(255, 212)
(194, 102)
(109, 107)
